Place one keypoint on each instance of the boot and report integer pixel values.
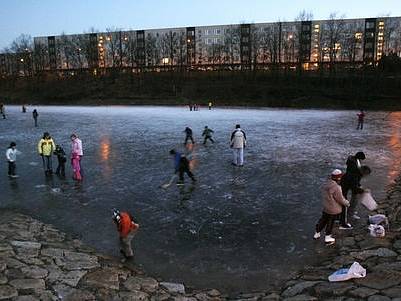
(316, 235)
(329, 240)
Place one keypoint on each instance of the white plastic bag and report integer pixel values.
(355, 271)
(377, 230)
(368, 201)
(379, 219)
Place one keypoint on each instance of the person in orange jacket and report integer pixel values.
(127, 229)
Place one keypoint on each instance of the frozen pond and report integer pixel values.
(237, 228)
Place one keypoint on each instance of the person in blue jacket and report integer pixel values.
(181, 165)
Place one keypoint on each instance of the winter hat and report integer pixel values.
(12, 144)
(336, 174)
(360, 155)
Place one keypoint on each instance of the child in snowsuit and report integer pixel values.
(208, 134)
(61, 158)
(11, 156)
(333, 200)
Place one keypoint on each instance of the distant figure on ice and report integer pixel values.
(238, 143)
(361, 117)
(188, 135)
(3, 110)
(76, 156)
(46, 148)
(11, 156)
(127, 229)
(181, 165)
(208, 134)
(333, 200)
(352, 181)
(61, 158)
(23, 109)
(190, 106)
(210, 105)
(35, 117)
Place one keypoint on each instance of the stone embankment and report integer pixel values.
(38, 262)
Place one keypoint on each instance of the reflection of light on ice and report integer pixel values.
(395, 144)
(105, 155)
(105, 148)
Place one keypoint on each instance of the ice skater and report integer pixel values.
(46, 147)
(238, 143)
(181, 166)
(188, 135)
(361, 118)
(23, 109)
(35, 117)
(3, 110)
(61, 159)
(210, 105)
(11, 156)
(76, 155)
(207, 133)
(333, 200)
(127, 229)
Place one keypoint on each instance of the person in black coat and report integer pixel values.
(351, 181)
(188, 135)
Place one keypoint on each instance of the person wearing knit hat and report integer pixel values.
(333, 200)
(351, 181)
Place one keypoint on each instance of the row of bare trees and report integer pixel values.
(334, 40)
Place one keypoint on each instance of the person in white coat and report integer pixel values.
(238, 143)
(11, 156)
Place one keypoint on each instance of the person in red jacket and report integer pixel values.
(361, 118)
(127, 229)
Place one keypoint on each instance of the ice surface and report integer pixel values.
(236, 226)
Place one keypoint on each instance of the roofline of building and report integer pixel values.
(217, 25)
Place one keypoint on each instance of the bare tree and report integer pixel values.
(169, 45)
(22, 46)
(295, 40)
(352, 44)
(151, 51)
(181, 49)
(40, 57)
(113, 47)
(390, 35)
(231, 43)
(271, 40)
(333, 33)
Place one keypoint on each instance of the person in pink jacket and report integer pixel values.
(333, 200)
(76, 157)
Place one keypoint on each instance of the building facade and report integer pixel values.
(302, 44)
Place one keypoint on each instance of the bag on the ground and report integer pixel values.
(355, 271)
(379, 219)
(377, 230)
(368, 201)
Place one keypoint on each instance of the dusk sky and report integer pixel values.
(51, 17)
